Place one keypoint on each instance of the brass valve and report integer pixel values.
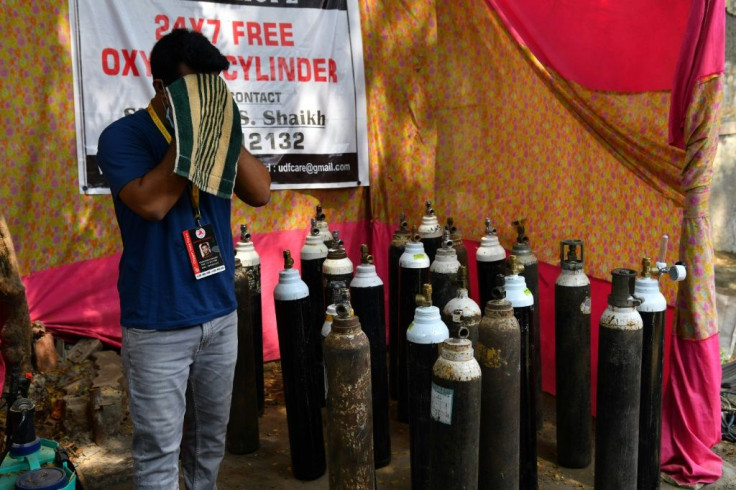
(489, 229)
(288, 261)
(515, 266)
(414, 235)
(365, 257)
(520, 225)
(428, 208)
(424, 299)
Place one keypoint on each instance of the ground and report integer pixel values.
(269, 467)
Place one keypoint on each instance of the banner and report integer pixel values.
(296, 74)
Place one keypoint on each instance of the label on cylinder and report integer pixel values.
(585, 306)
(441, 404)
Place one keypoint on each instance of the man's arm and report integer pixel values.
(252, 182)
(155, 193)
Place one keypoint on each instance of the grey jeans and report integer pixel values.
(180, 384)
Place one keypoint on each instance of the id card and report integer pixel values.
(204, 253)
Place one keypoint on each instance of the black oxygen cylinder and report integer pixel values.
(457, 241)
(366, 291)
(430, 231)
(498, 353)
(349, 409)
(413, 272)
(652, 311)
(526, 257)
(490, 261)
(619, 386)
(251, 261)
(572, 354)
(395, 250)
(443, 273)
(454, 432)
(423, 339)
(523, 302)
(313, 255)
(242, 427)
(301, 393)
(471, 313)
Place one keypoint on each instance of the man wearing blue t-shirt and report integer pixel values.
(179, 327)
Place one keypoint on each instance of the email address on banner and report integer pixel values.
(309, 168)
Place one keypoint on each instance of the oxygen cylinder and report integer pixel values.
(457, 241)
(395, 250)
(242, 427)
(498, 354)
(443, 273)
(619, 386)
(301, 393)
(246, 252)
(313, 255)
(572, 354)
(366, 291)
(652, 312)
(349, 408)
(413, 272)
(430, 231)
(523, 302)
(336, 267)
(423, 339)
(454, 431)
(471, 312)
(491, 261)
(523, 252)
(321, 225)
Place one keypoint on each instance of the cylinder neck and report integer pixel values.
(458, 350)
(499, 307)
(345, 325)
(623, 286)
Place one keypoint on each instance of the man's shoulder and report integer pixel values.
(138, 122)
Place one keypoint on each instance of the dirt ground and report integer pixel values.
(269, 467)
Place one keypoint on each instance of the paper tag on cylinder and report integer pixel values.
(441, 404)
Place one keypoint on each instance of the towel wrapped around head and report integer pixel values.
(208, 132)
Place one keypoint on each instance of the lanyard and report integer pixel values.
(193, 189)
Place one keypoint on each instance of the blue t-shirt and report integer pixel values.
(157, 286)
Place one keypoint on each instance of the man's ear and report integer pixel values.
(158, 86)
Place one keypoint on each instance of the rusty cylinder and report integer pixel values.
(366, 293)
(430, 231)
(490, 261)
(242, 428)
(498, 353)
(395, 250)
(572, 355)
(349, 407)
(413, 272)
(523, 302)
(471, 312)
(443, 273)
(619, 386)
(246, 252)
(423, 339)
(454, 431)
(301, 392)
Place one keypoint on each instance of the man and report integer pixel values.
(179, 332)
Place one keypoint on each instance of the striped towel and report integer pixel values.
(208, 133)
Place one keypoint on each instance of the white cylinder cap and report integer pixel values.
(647, 289)
(414, 256)
(247, 254)
(290, 286)
(517, 292)
(366, 277)
(427, 327)
(430, 227)
(314, 248)
(490, 250)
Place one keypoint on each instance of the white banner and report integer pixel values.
(296, 74)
